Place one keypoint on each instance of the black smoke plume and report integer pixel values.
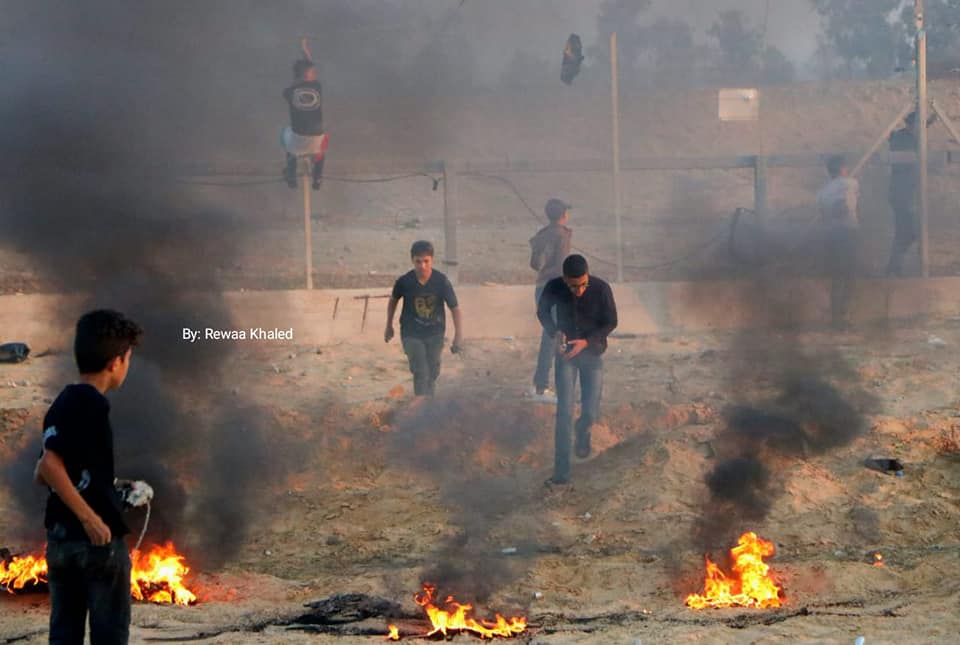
(814, 404)
(448, 440)
(84, 195)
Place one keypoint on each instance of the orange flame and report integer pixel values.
(21, 572)
(157, 576)
(394, 634)
(878, 559)
(454, 617)
(750, 586)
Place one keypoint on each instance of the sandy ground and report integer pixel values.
(388, 497)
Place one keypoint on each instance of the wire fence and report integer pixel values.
(367, 221)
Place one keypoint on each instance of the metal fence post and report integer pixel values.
(760, 189)
(450, 257)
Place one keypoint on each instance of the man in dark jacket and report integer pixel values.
(585, 315)
(903, 193)
(548, 248)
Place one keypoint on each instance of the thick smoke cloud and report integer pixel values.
(96, 108)
(451, 440)
(793, 402)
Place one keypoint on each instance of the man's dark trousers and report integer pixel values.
(904, 232)
(588, 365)
(423, 355)
(83, 578)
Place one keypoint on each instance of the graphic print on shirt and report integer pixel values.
(305, 99)
(425, 306)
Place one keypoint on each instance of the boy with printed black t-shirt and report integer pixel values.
(305, 134)
(89, 565)
(424, 292)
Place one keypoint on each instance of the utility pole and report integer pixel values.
(921, 125)
(615, 103)
(451, 260)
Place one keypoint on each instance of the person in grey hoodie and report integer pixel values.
(548, 248)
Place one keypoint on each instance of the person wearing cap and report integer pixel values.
(839, 201)
(548, 248)
(578, 311)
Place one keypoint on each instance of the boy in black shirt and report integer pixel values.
(586, 314)
(89, 565)
(423, 321)
(305, 135)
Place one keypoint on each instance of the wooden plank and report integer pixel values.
(947, 123)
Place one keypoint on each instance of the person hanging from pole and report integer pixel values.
(304, 137)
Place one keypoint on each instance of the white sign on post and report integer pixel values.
(739, 104)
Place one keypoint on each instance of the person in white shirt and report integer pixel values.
(838, 201)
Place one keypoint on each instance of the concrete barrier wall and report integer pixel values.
(324, 317)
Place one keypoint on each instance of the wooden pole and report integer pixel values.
(615, 103)
(308, 247)
(921, 126)
(945, 120)
(450, 261)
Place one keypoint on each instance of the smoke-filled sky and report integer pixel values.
(792, 27)
(235, 50)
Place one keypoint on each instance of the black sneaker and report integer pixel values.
(290, 176)
(554, 483)
(317, 183)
